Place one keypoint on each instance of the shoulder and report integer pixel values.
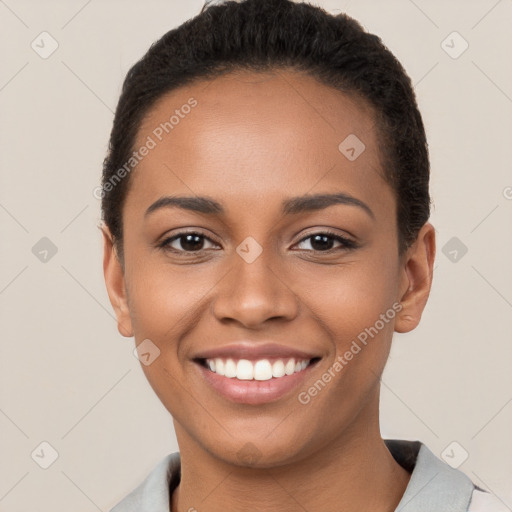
(154, 492)
(434, 484)
(482, 501)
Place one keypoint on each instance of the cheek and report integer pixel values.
(350, 297)
(162, 298)
(355, 304)
(164, 305)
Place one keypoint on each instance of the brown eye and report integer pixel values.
(186, 242)
(323, 242)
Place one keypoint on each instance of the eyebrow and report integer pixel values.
(290, 206)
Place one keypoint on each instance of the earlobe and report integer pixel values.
(115, 283)
(416, 279)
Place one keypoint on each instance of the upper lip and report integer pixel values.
(253, 351)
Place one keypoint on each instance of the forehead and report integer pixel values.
(253, 137)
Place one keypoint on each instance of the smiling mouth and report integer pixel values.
(257, 370)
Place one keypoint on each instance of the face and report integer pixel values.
(252, 267)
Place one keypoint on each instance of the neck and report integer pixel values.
(354, 472)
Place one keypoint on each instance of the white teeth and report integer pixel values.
(290, 367)
(219, 366)
(263, 369)
(244, 370)
(230, 369)
(278, 369)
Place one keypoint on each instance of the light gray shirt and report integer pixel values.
(433, 487)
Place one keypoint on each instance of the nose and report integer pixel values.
(253, 293)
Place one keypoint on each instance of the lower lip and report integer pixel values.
(254, 392)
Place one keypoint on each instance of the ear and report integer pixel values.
(416, 279)
(115, 282)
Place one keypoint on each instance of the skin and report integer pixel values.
(253, 141)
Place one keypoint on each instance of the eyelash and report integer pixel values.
(346, 243)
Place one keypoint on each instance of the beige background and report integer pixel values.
(67, 376)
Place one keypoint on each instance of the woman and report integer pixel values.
(266, 206)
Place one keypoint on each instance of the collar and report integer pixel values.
(433, 484)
